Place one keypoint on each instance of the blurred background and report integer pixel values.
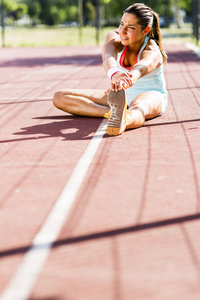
(34, 23)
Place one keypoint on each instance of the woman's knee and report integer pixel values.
(58, 99)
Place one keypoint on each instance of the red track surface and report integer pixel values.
(133, 231)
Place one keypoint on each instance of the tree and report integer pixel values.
(180, 9)
(10, 5)
(52, 12)
(14, 9)
(22, 9)
(34, 10)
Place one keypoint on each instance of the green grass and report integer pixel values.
(173, 35)
(47, 36)
(62, 36)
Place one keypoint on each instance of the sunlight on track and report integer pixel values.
(23, 281)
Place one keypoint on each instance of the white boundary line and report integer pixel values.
(23, 281)
(25, 98)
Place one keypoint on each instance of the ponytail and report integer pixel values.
(155, 34)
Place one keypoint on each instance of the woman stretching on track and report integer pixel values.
(133, 58)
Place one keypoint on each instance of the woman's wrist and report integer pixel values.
(112, 71)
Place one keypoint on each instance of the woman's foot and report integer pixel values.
(118, 104)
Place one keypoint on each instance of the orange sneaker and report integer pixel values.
(118, 104)
(107, 115)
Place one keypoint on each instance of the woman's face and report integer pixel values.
(130, 31)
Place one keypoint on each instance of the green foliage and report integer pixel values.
(10, 5)
(57, 15)
(186, 4)
(34, 9)
(52, 12)
(116, 8)
(22, 9)
(90, 13)
(71, 13)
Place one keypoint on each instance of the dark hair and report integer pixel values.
(147, 17)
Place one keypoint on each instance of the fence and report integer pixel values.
(2, 23)
(195, 9)
(196, 19)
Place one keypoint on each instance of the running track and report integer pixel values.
(85, 216)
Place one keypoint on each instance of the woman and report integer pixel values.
(133, 58)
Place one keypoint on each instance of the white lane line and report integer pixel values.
(25, 98)
(22, 283)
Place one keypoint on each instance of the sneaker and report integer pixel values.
(118, 104)
(107, 115)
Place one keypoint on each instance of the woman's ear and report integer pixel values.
(146, 30)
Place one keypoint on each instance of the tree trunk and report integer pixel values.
(178, 14)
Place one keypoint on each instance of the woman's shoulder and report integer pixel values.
(152, 47)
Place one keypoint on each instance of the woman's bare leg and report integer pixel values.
(84, 102)
(146, 106)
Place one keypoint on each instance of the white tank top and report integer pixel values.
(153, 81)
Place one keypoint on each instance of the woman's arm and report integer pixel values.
(151, 58)
(110, 49)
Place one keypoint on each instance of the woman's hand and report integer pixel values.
(121, 80)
